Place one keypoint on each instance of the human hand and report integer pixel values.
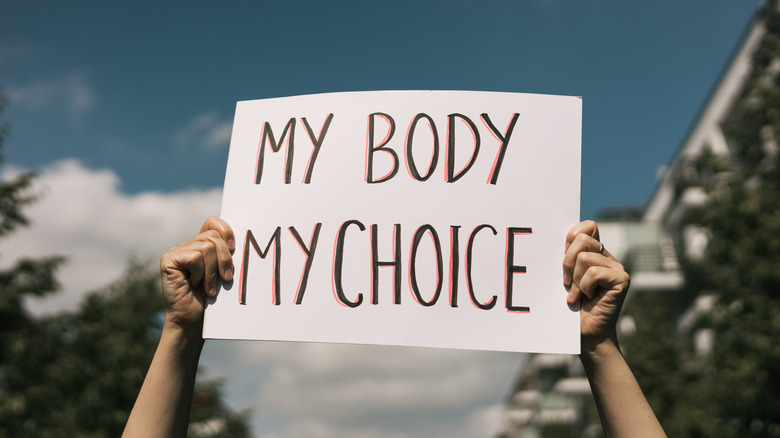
(190, 271)
(591, 271)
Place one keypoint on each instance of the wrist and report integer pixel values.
(185, 337)
(594, 347)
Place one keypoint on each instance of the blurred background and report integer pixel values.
(115, 126)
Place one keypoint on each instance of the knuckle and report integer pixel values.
(211, 221)
(168, 256)
(593, 229)
(202, 245)
(211, 234)
(582, 239)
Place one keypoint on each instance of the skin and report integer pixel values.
(600, 284)
(190, 273)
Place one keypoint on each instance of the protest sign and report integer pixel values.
(419, 218)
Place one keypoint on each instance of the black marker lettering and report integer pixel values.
(410, 141)
(309, 258)
(454, 262)
(250, 239)
(511, 268)
(275, 147)
(338, 262)
(451, 176)
(413, 264)
(381, 147)
(395, 264)
(316, 141)
(489, 305)
(504, 139)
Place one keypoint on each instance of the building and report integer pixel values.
(551, 396)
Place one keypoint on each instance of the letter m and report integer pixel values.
(268, 133)
(251, 243)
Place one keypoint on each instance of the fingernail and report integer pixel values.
(570, 297)
(566, 279)
(231, 245)
(229, 274)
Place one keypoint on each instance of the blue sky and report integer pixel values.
(147, 72)
(126, 111)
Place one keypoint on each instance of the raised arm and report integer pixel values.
(189, 274)
(595, 278)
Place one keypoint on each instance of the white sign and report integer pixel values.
(420, 218)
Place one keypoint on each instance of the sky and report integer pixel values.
(125, 110)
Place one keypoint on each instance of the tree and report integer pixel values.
(78, 373)
(742, 261)
(25, 278)
(735, 390)
(91, 363)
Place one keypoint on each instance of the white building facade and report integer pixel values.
(551, 396)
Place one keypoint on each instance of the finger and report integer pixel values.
(589, 228)
(575, 294)
(581, 243)
(189, 261)
(208, 262)
(590, 260)
(602, 278)
(223, 228)
(224, 258)
(197, 260)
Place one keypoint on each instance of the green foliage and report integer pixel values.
(653, 353)
(25, 278)
(734, 391)
(742, 377)
(559, 431)
(14, 194)
(210, 419)
(78, 373)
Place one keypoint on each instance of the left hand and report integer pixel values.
(190, 273)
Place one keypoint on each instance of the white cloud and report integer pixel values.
(355, 391)
(413, 380)
(84, 216)
(206, 130)
(292, 389)
(72, 92)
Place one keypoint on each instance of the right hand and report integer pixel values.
(593, 275)
(190, 272)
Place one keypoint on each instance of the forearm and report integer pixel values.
(163, 405)
(622, 406)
